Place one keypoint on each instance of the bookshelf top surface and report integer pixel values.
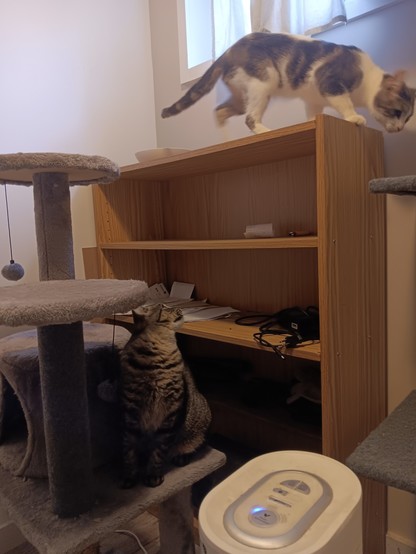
(290, 142)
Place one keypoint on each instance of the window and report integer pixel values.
(208, 27)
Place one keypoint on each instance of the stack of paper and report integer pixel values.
(180, 296)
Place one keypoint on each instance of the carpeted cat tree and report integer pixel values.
(46, 370)
(57, 305)
(388, 454)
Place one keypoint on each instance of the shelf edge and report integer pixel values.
(220, 244)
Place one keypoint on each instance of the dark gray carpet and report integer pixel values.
(388, 454)
(394, 185)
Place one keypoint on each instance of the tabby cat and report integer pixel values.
(165, 418)
(262, 65)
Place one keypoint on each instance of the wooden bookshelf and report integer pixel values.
(183, 219)
(225, 330)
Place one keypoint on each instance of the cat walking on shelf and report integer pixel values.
(165, 418)
(262, 65)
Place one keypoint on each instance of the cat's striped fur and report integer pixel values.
(165, 418)
(262, 65)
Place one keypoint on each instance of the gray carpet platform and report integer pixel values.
(388, 454)
(394, 185)
(29, 504)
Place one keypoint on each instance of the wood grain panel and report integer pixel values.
(351, 257)
(131, 264)
(259, 280)
(129, 211)
(221, 205)
(352, 289)
(90, 257)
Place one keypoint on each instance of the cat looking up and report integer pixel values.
(262, 65)
(165, 418)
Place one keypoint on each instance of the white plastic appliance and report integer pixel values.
(287, 502)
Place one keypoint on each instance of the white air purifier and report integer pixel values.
(287, 502)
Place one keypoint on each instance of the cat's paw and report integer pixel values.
(181, 460)
(153, 480)
(357, 119)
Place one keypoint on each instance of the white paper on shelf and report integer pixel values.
(157, 292)
(211, 312)
(180, 297)
(262, 230)
(181, 290)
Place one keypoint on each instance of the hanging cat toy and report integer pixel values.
(12, 271)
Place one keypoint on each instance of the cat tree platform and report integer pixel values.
(394, 185)
(22, 440)
(388, 454)
(29, 505)
(57, 306)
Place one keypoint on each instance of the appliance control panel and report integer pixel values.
(277, 510)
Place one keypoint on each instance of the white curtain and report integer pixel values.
(233, 19)
(231, 22)
(303, 17)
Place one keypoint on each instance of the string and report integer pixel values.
(8, 224)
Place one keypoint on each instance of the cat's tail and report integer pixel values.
(198, 90)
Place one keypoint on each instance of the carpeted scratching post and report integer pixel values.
(388, 454)
(57, 308)
(53, 226)
(66, 418)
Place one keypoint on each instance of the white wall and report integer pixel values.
(75, 77)
(389, 37)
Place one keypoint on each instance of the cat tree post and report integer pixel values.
(57, 306)
(52, 204)
(69, 470)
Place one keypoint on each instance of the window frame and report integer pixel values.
(186, 73)
(361, 8)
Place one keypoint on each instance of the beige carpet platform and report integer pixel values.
(28, 503)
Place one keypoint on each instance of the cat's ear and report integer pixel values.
(139, 318)
(394, 83)
(390, 82)
(400, 75)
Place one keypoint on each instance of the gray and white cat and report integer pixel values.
(262, 65)
(164, 417)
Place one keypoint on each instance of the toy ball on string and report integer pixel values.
(12, 271)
